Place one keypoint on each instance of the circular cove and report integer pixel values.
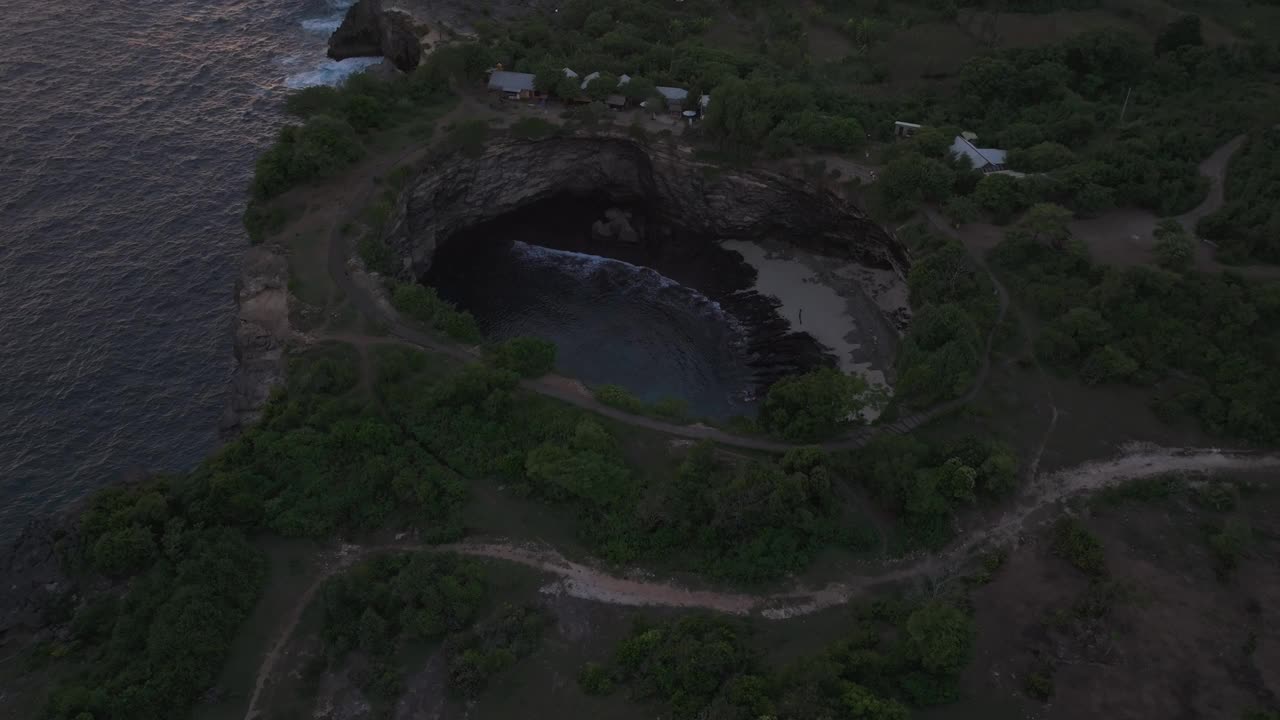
(613, 322)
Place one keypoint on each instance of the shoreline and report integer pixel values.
(825, 297)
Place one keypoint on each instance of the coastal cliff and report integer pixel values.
(455, 193)
(261, 335)
(369, 31)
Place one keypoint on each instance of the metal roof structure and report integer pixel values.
(673, 94)
(980, 158)
(512, 82)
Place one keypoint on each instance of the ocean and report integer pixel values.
(128, 136)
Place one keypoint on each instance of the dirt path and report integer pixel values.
(590, 583)
(1214, 168)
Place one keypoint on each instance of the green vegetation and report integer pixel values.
(813, 406)
(478, 654)
(526, 357)
(382, 604)
(955, 307)
(340, 124)
(421, 303)
(924, 483)
(1205, 341)
(1228, 545)
(1248, 226)
(671, 409)
(1057, 110)
(147, 648)
(533, 128)
(1073, 542)
(898, 656)
(1174, 248)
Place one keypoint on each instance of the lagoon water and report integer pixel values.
(612, 322)
(129, 134)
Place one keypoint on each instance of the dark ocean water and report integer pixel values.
(611, 321)
(128, 134)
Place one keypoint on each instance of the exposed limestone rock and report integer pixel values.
(33, 580)
(455, 193)
(369, 31)
(616, 226)
(262, 332)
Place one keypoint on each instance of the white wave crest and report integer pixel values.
(329, 72)
(325, 26)
(583, 266)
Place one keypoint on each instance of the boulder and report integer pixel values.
(370, 31)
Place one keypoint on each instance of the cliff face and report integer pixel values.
(456, 193)
(369, 31)
(261, 334)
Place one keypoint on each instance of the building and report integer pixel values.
(569, 73)
(617, 102)
(987, 160)
(513, 85)
(587, 80)
(675, 97)
(904, 129)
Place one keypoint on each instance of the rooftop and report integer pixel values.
(672, 93)
(510, 81)
(978, 157)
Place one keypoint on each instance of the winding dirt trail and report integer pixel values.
(586, 582)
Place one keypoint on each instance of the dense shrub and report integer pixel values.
(813, 406)
(423, 305)
(493, 646)
(1142, 325)
(526, 357)
(895, 656)
(923, 483)
(940, 356)
(1073, 542)
(1248, 226)
(317, 149)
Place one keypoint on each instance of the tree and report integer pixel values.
(1174, 248)
(1183, 32)
(527, 357)
(859, 703)
(814, 405)
(940, 637)
(960, 209)
(911, 179)
(1000, 195)
(1047, 223)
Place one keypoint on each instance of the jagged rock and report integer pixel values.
(33, 579)
(369, 31)
(616, 225)
(261, 334)
(456, 193)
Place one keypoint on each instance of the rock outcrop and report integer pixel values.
(369, 31)
(34, 580)
(456, 193)
(261, 335)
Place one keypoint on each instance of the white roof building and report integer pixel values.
(511, 82)
(569, 73)
(985, 159)
(673, 94)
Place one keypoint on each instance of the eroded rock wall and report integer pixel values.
(454, 193)
(260, 336)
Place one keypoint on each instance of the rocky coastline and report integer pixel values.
(368, 30)
(260, 336)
